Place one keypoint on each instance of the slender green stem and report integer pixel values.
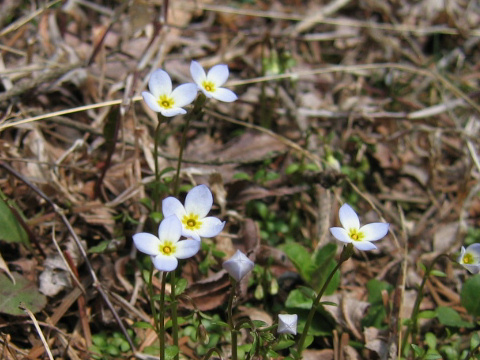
(162, 316)
(196, 112)
(346, 254)
(152, 302)
(233, 331)
(180, 155)
(156, 195)
(173, 307)
(412, 327)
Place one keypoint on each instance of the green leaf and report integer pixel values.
(241, 176)
(292, 168)
(10, 229)
(100, 248)
(375, 288)
(432, 356)
(301, 258)
(427, 314)
(328, 303)
(297, 300)
(171, 352)
(143, 325)
(259, 323)
(449, 317)
(283, 344)
(23, 292)
(469, 295)
(419, 352)
(438, 273)
(180, 286)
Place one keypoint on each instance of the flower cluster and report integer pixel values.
(163, 99)
(190, 221)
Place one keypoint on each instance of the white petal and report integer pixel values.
(184, 94)
(172, 206)
(147, 243)
(160, 83)
(348, 217)
(287, 324)
(170, 229)
(211, 226)
(151, 101)
(199, 201)
(462, 254)
(363, 245)
(187, 248)
(208, 94)
(238, 265)
(340, 234)
(197, 72)
(190, 234)
(473, 269)
(173, 112)
(474, 249)
(165, 263)
(374, 231)
(224, 95)
(218, 74)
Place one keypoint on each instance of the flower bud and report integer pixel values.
(287, 324)
(238, 265)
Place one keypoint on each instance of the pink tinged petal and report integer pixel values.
(197, 72)
(238, 265)
(173, 112)
(340, 234)
(374, 231)
(172, 206)
(211, 226)
(364, 245)
(160, 83)
(184, 94)
(199, 201)
(348, 217)
(218, 74)
(147, 243)
(224, 95)
(187, 248)
(165, 263)
(151, 101)
(170, 229)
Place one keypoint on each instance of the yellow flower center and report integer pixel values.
(166, 102)
(208, 86)
(356, 235)
(468, 259)
(167, 248)
(191, 222)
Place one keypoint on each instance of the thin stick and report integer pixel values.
(39, 331)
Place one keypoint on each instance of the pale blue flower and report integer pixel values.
(360, 237)
(166, 249)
